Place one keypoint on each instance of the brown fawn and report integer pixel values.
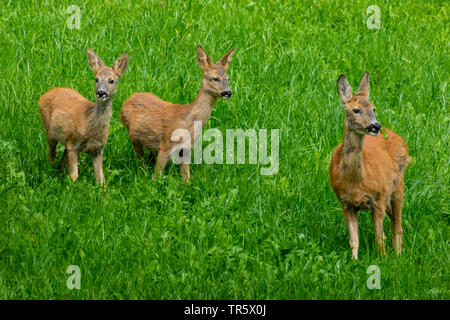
(151, 121)
(79, 124)
(366, 170)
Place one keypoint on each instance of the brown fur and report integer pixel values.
(77, 123)
(366, 172)
(151, 121)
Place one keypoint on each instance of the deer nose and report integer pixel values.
(373, 129)
(377, 126)
(102, 94)
(226, 94)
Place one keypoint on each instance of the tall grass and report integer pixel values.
(231, 233)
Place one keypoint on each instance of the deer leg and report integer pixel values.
(161, 161)
(378, 213)
(185, 173)
(391, 217)
(139, 150)
(97, 162)
(151, 158)
(397, 231)
(63, 162)
(351, 218)
(185, 155)
(52, 150)
(389, 210)
(72, 157)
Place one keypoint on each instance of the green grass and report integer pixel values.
(231, 233)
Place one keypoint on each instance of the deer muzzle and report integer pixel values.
(226, 94)
(102, 94)
(373, 129)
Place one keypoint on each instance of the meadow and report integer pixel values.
(232, 233)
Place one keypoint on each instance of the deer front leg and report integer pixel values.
(151, 158)
(138, 150)
(185, 155)
(52, 150)
(378, 213)
(185, 173)
(351, 218)
(97, 162)
(72, 158)
(161, 161)
(63, 162)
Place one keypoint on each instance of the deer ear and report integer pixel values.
(344, 89)
(225, 61)
(204, 61)
(121, 64)
(94, 61)
(364, 87)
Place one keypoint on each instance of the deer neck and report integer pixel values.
(351, 160)
(103, 112)
(202, 106)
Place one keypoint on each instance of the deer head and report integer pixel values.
(215, 77)
(106, 78)
(360, 113)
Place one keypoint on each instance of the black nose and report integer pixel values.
(374, 127)
(102, 94)
(226, 94)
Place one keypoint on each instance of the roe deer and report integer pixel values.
(366, 170)
(151, 121)
(79, 124)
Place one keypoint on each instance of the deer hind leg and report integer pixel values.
(378, 213)
(351, 218)
(397, 231)
(391, 217)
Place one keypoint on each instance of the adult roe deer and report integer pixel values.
(366, 170)
(78, 123)
(151, 121)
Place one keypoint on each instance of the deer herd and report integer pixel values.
(366, 169)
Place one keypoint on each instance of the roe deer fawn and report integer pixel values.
(151, 121)
(79, 124)
(366, 170)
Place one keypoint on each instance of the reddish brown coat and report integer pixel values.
(77, 123)
(366, 171)
(151, 121)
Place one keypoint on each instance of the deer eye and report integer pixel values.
(96, 79)
(357, 110)
(111, 81)
(216, 79)
(374, 110)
